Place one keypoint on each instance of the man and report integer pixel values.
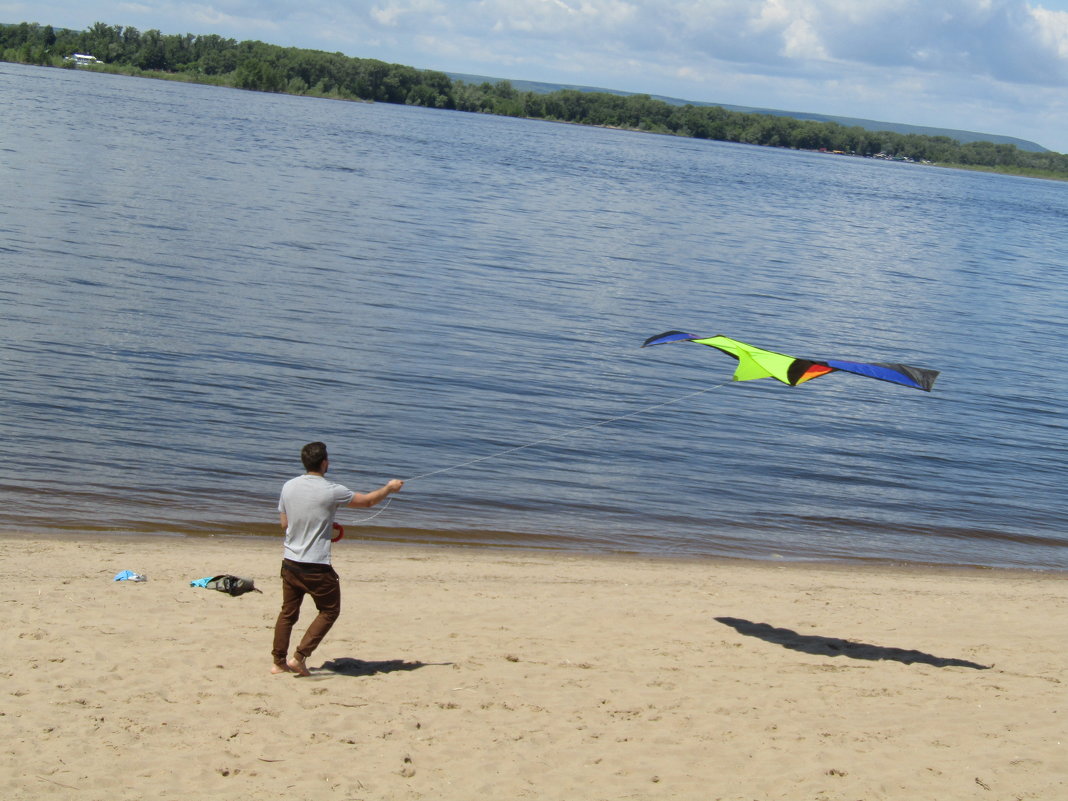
(306, 510)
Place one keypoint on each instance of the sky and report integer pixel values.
(990, 66)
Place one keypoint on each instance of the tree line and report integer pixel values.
(271, 68)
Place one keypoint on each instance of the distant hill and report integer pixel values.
(869, 125)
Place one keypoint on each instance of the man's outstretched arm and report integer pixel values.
(365, 500)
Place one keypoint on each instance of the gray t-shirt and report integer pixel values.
(309, 503)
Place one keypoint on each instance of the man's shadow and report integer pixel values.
(833, 646)
(347, 666)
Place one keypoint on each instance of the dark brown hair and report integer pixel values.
(313, 455)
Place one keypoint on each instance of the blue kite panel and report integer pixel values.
(879, 371)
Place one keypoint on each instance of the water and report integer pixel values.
(199, 280)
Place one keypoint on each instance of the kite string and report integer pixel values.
(561, 435)
(568, 432)
(381, 509)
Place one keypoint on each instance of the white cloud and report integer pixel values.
(1052, 29)
(419, 12)
(209, 18)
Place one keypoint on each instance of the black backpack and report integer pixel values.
(232, 585)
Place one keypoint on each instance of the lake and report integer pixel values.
(199, 280)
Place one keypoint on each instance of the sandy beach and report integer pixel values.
(460, 673)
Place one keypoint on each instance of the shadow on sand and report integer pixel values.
(346, 666)
(832, 646)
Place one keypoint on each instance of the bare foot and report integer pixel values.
(296, 664)
(283, 668)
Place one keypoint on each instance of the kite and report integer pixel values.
(754, 362)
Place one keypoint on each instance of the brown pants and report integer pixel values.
(322, 584)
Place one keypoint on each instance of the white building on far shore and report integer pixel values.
(83, 59)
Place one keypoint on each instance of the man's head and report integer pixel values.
(314, 457)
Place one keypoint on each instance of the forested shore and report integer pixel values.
(254, 65)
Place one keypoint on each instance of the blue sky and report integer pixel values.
(993, 66)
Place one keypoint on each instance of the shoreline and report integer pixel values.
(456, 672)
(1036, 173)
(456, 540)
